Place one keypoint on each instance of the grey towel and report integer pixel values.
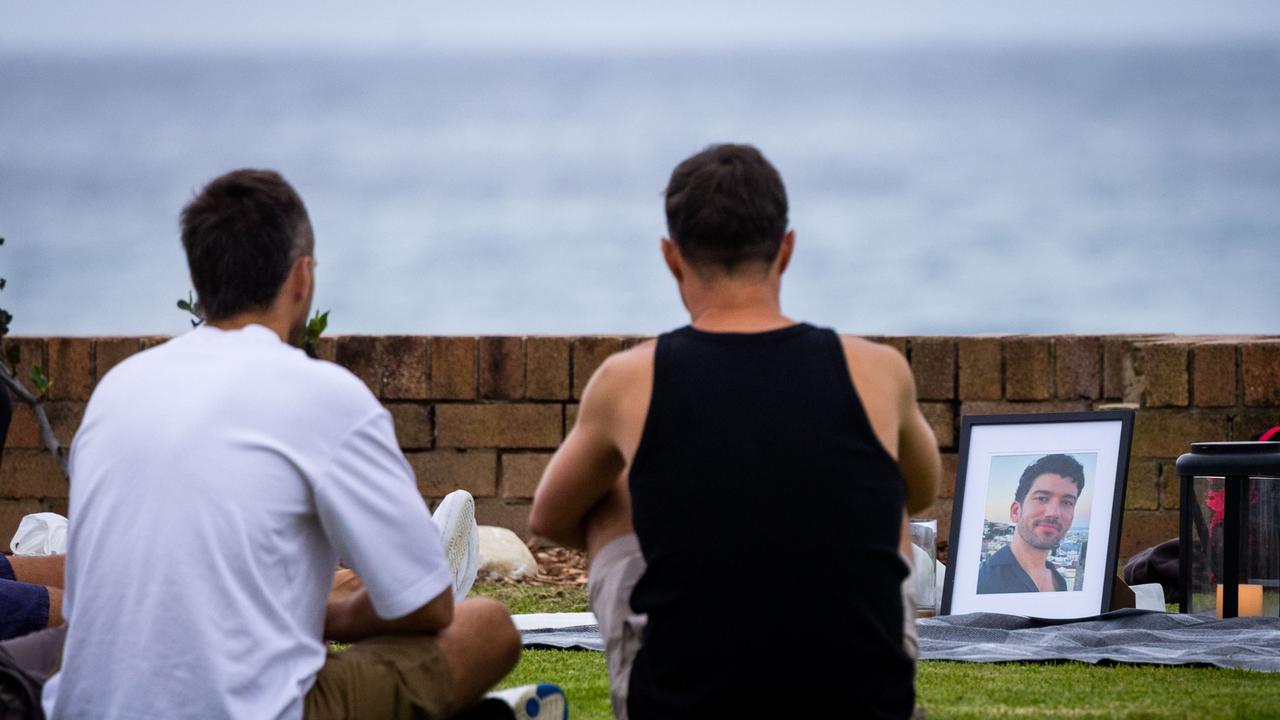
(583, 637)
(1125, 636)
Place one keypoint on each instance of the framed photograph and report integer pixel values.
(1035, 522)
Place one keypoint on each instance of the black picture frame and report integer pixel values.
(1107, 436)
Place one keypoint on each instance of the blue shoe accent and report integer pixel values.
(544, 701)
(551, 698)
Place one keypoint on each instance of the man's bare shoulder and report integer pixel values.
(627, 365)
(883, 360)
(621, 373)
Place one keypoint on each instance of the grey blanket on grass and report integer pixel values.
(581, 637)
(1125, 636)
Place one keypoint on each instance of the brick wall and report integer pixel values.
(485, 413)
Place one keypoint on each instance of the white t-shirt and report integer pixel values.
(215, 481)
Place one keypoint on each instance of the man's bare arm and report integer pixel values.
(918, 457)
(585, 467)
(350, 617)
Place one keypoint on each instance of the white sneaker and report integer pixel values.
(455, 516)
(543, 701)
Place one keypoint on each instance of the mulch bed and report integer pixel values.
(564, 567)
(557, 566)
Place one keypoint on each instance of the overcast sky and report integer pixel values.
(373, 25)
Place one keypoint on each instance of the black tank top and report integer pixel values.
(769, 516)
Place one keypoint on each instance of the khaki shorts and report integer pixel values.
(391, 676)
(614, 573)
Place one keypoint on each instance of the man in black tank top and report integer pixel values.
(713, 473)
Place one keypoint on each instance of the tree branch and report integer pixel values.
(37, 407)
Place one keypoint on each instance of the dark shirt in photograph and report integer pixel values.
(1001, 573)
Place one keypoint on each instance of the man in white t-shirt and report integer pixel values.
(215, 482)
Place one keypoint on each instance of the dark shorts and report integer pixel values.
(24, 608)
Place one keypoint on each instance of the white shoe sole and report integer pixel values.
(455, 516)
(543, 701)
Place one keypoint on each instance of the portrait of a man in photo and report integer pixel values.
(1042, 513)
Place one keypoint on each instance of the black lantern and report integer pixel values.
(1229, 528)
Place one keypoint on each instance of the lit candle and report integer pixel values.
(1250, 604)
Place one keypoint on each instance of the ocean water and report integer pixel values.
(934, 190)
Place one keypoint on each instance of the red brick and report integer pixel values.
(941, 418)
(933, 362)
(570, 417)
(31, 353)
(1162, 369)
(413, 425)
(588, 354)
(70, 368)
(521, 473)
(510, 514)
(55, 505)
(109, 352)
(1260, 366)
(1142, 487)
(453, 368)
(1170, 487)
(1169, 433)
(547, 368)
(1078, 367)
(1115, 356)
(1141, 529)
(980, 362)
(11, 514)
(31, 474)
(897, 343)
(1027, 369)
(947, 483)
(64, 418)
(327, 348)
(501, 368)
(524, 425)
(24, 432)
(440, 472)
(361, 355)
(405, 368)
(1214, 375)
(983, 407)
(1249, 422)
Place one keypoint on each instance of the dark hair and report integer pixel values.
(726, 206)
(242, 233)
(1058, 464)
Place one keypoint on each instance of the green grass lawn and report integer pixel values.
(949, 689)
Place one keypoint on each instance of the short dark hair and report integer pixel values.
(727, 206)
(1058, 464)
(242, 233)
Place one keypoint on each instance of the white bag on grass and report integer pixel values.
(40, 534)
